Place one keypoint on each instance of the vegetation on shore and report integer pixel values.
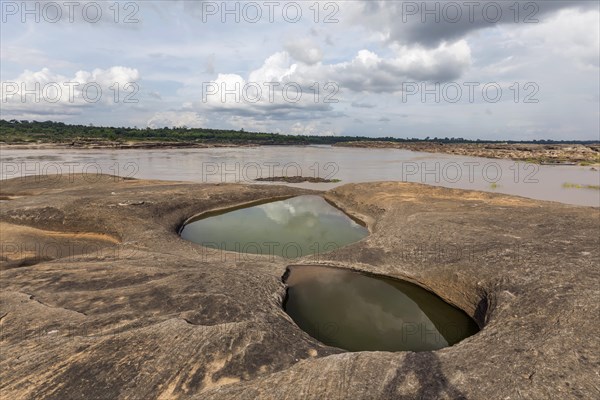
(30, 132)
(568, 185)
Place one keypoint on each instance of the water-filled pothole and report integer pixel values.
(359, 312)
(291, 228)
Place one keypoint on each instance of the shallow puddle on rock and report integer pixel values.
(291, 228)
(359, 312)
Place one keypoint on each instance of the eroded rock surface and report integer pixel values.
(534, 153)
(131, 310)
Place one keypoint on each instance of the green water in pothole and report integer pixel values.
(291, 228)
(359, 312)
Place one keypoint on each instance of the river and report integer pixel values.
(565, 184)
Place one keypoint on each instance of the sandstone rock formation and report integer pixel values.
(534, 153)
(102, 301)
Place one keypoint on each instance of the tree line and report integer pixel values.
(23, 131)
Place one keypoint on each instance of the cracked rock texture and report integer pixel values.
(101, 299)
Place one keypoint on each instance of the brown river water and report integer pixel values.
(565, 184)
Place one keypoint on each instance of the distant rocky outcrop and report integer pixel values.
(296, 179)
(534, 153)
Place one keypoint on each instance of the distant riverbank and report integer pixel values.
(107, 144)
(576, 154)
(559, 154)
(31, 135)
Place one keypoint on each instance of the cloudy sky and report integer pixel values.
(483, 69)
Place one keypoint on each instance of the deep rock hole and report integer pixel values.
(347, 309)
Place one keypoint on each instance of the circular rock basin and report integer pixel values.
(291, 228)
(359, 312)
